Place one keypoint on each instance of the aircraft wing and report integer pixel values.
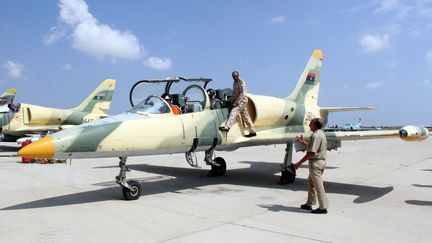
(357, 135)
(38, 130)
(334, 138)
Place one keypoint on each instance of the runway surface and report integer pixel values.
(379, 191)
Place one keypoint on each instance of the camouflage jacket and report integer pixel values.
(239, 93)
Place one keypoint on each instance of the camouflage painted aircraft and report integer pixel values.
(151, 127)
(22, 119)
(5, 99)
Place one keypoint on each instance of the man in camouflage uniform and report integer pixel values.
(238, 104)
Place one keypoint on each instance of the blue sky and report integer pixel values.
(376, 53)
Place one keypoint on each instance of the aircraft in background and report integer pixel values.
(24, 119)
(7, 98)
(151, 127)
(353, 126)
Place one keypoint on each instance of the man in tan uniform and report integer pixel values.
(238, 104)
(316, 154)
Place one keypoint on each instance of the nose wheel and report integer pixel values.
(131, 189)
(134, 192)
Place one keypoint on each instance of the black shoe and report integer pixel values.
(319, 211)
(306, 207)
(251, 135)
(224, 129)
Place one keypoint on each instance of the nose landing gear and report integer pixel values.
(131, 188)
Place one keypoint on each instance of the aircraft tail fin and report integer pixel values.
(8, 96)
(307, 88)
(99, 101)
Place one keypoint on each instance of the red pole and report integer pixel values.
(25, 160)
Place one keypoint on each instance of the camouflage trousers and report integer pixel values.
(240, 109)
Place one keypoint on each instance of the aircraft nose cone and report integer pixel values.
(43, 149)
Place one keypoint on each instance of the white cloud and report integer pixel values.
(412, 16)
(277, 19)
(74, 12)
(423, 8)
(429, 57)
(56, 33)
(67, 67)
(158, 63)
(91, 37)
(14, 69)
(356, 8)
(374, 85)
(427, 82)
(385, 6)
(374, 43)
(101, 40)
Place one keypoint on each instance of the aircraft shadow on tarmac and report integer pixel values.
(260, 174)
(6, 148)
(419, 202)
(426, 186)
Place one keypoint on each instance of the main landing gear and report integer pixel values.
(218, 165)
(131, 188)
(288, 172)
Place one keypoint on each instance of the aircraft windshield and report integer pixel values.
(152, 105)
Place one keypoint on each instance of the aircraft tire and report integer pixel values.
(132, 194)
(288, 176)
(218, 170)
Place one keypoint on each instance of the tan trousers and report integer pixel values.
(315, 184)
(240, 109)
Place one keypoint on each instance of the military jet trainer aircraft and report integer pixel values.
(152, 128)
(22, 119)
(7, 98)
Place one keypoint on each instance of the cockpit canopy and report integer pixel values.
(187, 93)
(153, 105)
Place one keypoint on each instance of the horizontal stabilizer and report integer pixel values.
(343, 109)
(324, 111)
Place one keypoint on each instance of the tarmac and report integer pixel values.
(379, 191)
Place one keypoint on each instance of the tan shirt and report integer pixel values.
(318, 145)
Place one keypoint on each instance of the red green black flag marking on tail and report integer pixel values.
(310, 79)
(99, 96)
